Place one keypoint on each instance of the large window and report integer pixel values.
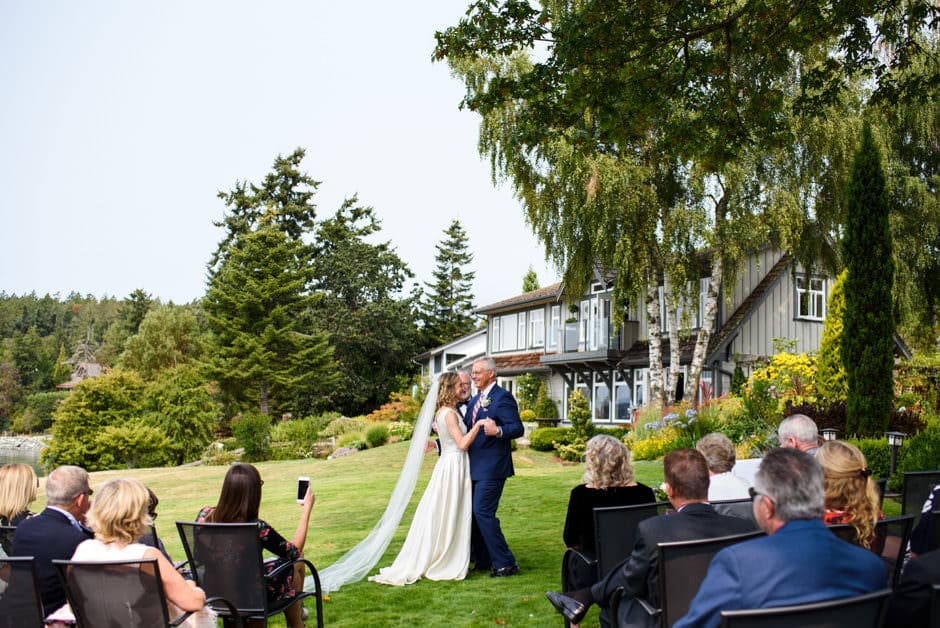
(811, 297)
(622, 400)
(507, 332)
(537, 328)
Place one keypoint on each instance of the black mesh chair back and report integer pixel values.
(741, 508)
(6, 539)
(891, 537)
(682, 567)
(933, 529)
(862, 611)
(225, 559)
(915, 490)
(615, 532)
(934, 606)
(114, 593)
(20, 604)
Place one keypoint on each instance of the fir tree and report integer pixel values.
(868, 334)
(530, 281)
(447, 310)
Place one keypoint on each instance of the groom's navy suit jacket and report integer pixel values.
(491, 456)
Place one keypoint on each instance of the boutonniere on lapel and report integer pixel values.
(485, 403)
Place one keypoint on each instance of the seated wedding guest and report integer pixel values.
(910, 603)
(56, 531)
(686, 475)
(851, 493)
(119, 518)
(239, 502)
(920, 535)
(18, 484)
(799, 561)
(798, 431)
(719, 454)
(608, 481)
(149, 537)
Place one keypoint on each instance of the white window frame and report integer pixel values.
(620, 384)
(554, 327)
(640, 377)
(810, 297)
(537, 328)
(521, 329)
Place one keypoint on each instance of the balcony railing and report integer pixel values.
(590, 335)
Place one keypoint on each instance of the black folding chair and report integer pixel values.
(934, 605)
(741, 508)
(891, 537)
(120, 593)
(682, 568)
(6, 539)
(225, 559)
(861, 611)
(20, 604)
(615, 532)
(916, 487)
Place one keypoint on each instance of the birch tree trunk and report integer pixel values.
(671, 377)
(653, 327)
(705, 328)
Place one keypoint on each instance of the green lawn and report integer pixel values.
(351, 495)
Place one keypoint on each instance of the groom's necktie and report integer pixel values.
(473, 412)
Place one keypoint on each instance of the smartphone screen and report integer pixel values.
(302, 484)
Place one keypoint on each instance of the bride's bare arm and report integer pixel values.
(463, 440)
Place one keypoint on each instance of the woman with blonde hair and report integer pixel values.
(119, 516)
(18, 484)
(851, 493)
(608, 481)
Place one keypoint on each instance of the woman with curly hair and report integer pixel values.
(851, 493)
(608, 481)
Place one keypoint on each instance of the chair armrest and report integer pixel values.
(231, 607)
(651, 610)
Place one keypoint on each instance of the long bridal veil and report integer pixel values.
(355, 564)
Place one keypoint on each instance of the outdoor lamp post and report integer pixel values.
(829, 433)
(895, 439)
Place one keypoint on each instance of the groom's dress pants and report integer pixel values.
(488, 543)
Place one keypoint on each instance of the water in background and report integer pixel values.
(29, 457)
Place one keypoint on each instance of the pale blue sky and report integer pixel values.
(120, 121)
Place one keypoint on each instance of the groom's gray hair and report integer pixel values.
(488, 363)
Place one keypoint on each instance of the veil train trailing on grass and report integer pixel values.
(355, 564)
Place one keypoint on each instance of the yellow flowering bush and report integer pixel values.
(787, 378)
(656, 444)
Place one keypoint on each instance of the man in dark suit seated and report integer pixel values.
(800, 561)
(56, 531)
(910, 603)
(686, 474)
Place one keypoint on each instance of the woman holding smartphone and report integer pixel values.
(239, 503)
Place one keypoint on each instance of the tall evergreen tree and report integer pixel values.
(447, 310)
(371, 328)
(255, 304)
(868, 335)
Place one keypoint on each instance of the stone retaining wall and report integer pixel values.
(29, 444)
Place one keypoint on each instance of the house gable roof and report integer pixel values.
(548, 294)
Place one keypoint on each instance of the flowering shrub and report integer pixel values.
(659, 440)
(401, 429)
(339, 452)
(400, 407)
(788, 378)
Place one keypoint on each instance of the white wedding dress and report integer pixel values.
(438, 543)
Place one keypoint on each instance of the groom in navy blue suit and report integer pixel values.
(490, 465)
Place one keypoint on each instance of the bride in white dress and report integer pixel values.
(438, 543)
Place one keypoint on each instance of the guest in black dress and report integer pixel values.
(608, 481)
(239, 503)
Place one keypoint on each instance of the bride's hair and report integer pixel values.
(447, 393)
